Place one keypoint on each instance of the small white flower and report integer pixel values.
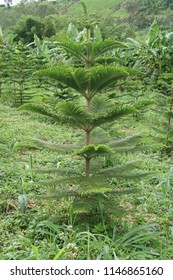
(58, 165)
(26, 165)
(71, 246)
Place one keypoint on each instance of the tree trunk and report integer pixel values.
(87, 171)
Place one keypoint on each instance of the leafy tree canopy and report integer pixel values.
(26, 29)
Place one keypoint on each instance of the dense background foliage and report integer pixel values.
(117, 19)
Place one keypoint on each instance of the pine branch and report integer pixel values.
(83, 206)
(94, 189)
(58, 182)
(41, 109)
(144, 103)
(99, 77)
(133, 148)
(88, 49)
(127, 140)
(133, 71)
(61, 194)
(60, 171)
(91, 151)
(71, 77)
(103, 76)
(97, 49)
(54, 146)
(71, 47)
(65, 113)
(113, 115)
(100, 104)
(107, 60)
(134, 176)
(74, 115)
(119, 168)
(124, 191)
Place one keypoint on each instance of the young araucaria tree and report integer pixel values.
(92, 112)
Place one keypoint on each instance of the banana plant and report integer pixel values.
(155, 57)
(2, 42)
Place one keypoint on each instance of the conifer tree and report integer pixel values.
(94, 111)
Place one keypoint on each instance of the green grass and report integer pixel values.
(95, 6)
(46, 229)
(100, 4)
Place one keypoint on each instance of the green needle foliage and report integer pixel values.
(91, 187)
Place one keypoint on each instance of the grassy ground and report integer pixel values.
(95, 5)
(47, 230)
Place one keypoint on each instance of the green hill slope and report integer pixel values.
(116, 7)
(118, 18)
(97, 5)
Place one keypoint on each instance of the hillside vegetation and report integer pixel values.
(95, 6)
(86, 131)
(117, 18)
